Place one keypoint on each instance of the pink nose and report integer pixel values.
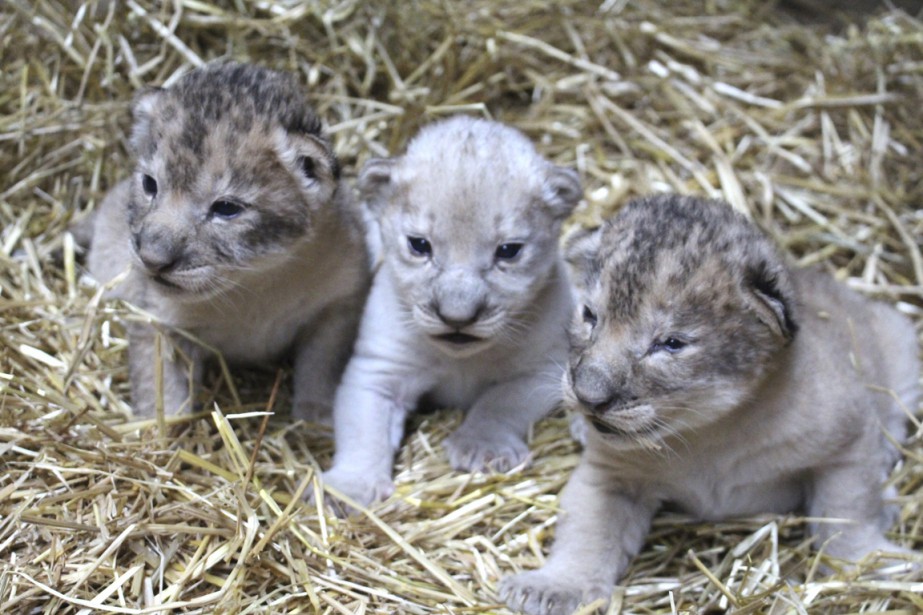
(159, 253)
(458, 319)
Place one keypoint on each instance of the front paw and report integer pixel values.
(578, 427)
(870, 553)
(318, 413)
(497, 452)
(538, 592)
(360, 487)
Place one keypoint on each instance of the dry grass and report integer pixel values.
(817, 133)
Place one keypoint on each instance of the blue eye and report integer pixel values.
(149, 185)
(508, 251)
(419, 246)
(226, 209)
(670, 344)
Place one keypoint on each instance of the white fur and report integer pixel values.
(467, 186)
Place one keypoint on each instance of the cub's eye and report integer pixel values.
(419, 246)
(226, 209)
(508, 251)
(149, 185)
(589, 316)
(670, 344)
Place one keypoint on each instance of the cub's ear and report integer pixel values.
(376, 182)
(311, 161)
(581, 252)
(561, 191)
(375, 185)
(769, 293)
(142, 111)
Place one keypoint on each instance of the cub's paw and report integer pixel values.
(578, 427)
(315, 412)
(871, 554)
(496, 452)
(362, 488)
(538, 592)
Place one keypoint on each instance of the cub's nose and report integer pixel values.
(158, 253)
(597, 402)
(594, 389)
(459, 318)
(600, 402)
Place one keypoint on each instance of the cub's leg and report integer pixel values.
(493, 434)
(320, 356)
(369, 411)
(182, 367)
(602, 527)
(850, 491)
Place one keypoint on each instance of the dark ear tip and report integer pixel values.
(771, 282)
(307, 167)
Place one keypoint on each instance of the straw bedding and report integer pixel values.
(807, 119)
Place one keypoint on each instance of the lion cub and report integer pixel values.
(717, 378)
(470, 304)
(237, 232)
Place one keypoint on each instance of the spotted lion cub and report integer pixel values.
(237, 232)
(717, 378)
(470, 304)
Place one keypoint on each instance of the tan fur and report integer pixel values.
(715, 377)
(236, 232)
(457, 318)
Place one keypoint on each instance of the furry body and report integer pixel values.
(237, 232)
(469, 306)
(716, 378)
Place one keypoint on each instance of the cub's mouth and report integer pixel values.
(605, 428)
(624, 421)
(458, 338)
(193, 283)
(162, 281)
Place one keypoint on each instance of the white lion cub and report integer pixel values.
(470, 304)
(719, 379)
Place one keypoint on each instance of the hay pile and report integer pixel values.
(814, 129)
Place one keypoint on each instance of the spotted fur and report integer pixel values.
(238, 232)
(714, 376)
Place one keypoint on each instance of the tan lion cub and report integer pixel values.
(717, 378)
(237, 231)
(470, 304)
